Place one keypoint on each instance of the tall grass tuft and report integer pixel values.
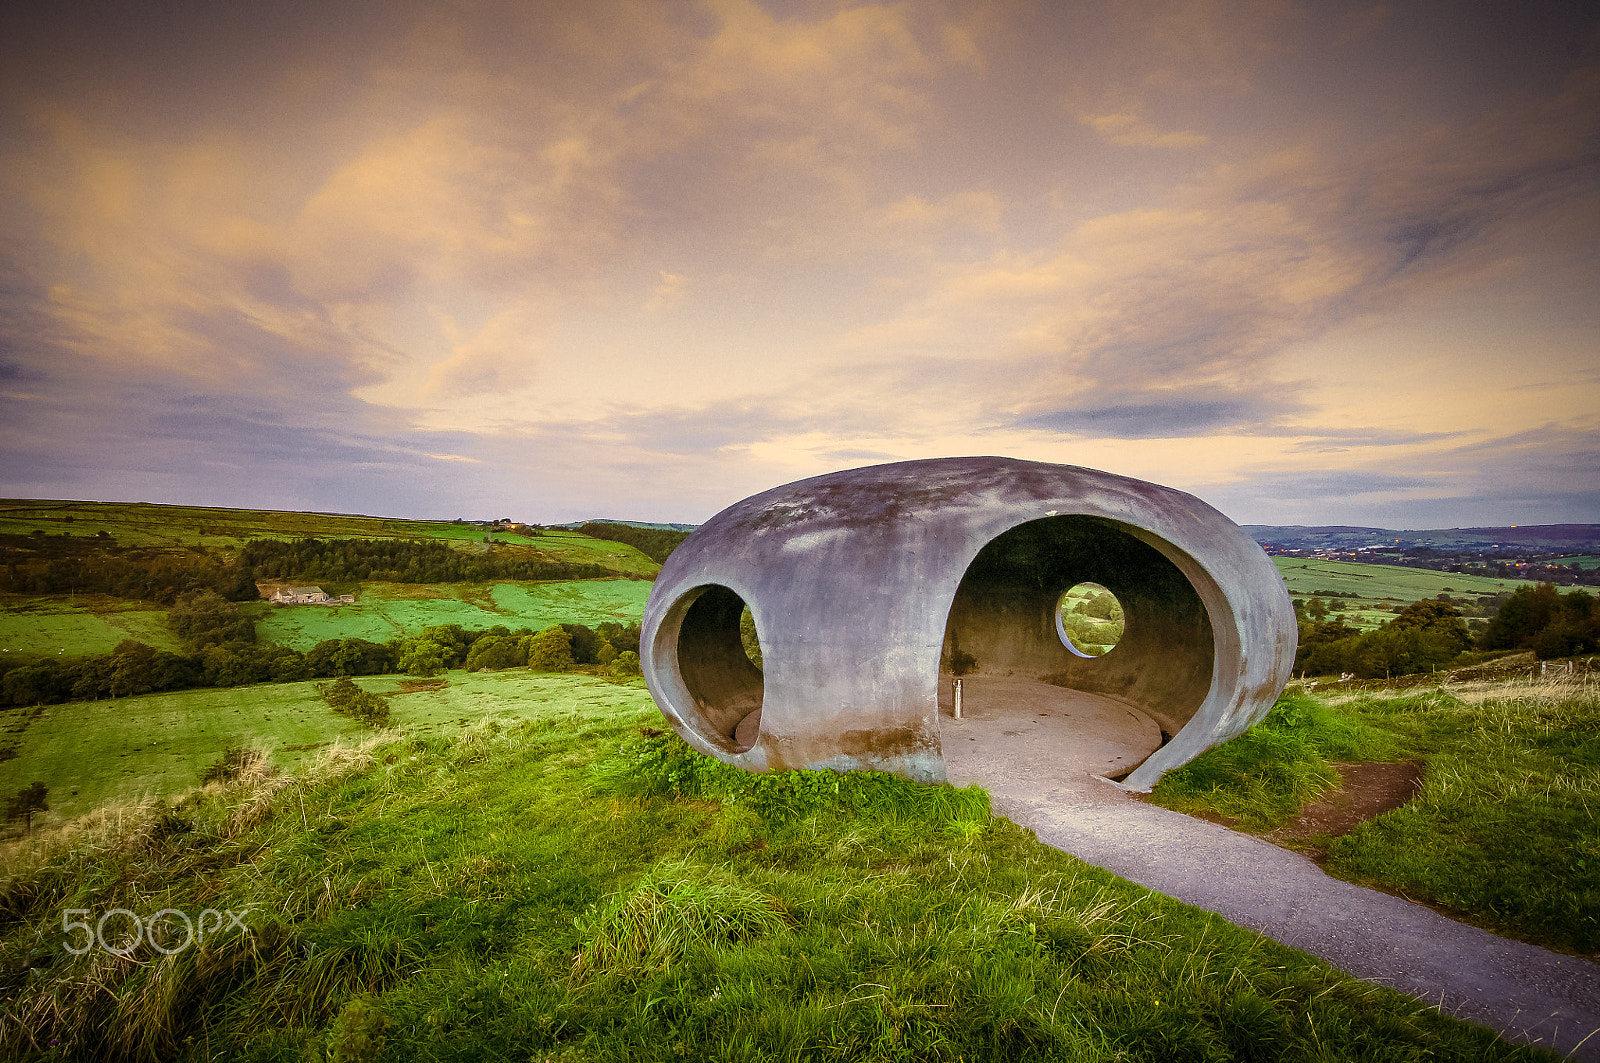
(675, 907)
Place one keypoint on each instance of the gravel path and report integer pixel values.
(1037, 750)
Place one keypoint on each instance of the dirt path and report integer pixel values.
(1019, 742)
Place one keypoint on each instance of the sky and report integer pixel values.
(1314, 263)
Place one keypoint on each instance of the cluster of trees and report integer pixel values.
(83, 565)
(1093, 624)
(1432, 634)
(1545, 621)
(403, 561)
(654, 543)
(135, 668)
(347, 699)
(1426, 635)
(213, 661)
(557, 648)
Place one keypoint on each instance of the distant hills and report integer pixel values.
(628, 523)
(1514, 538)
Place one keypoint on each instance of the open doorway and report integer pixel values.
(1081, 649)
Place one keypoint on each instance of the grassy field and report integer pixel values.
(178, 527)
(559, 885)
(1505, 832)
(1380, 586)
(384, 610)
(79, 625)
(94, 753)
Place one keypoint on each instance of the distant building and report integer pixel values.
(308, 596)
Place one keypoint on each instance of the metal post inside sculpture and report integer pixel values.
(868, 587)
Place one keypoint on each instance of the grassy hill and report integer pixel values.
(97, 753)
(1378, 588)
(144, 524)
(86, 624)
(384, 610)
(564, 882)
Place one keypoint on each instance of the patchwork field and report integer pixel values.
(385, 610)
(177, 527)
(79, 625)
(1380, 586)
(94, 753)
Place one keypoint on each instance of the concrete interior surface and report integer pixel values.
(868, 586)
(1022, 729)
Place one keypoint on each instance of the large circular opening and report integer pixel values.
(718, 671)
(1089, 620)
(1130, 633)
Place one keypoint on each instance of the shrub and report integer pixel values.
(350, 700)
(626, 664)
(551, 650)
(206, 618)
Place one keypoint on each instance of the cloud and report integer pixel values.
(1130, 130)
(667, 293)
(1162, 415)
(703, 246)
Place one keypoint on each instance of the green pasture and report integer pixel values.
(1587, 561)
(580, 549)
(148, 524)
(386, 610)
(177, 527)
(94, 753)
(1379, 586)
(79, 626)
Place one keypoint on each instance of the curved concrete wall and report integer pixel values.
(860, 582)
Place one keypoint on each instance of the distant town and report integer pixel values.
(1563, 554)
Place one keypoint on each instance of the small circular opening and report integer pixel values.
(748, 636)
(1089, 620)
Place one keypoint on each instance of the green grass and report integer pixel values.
(1379, 587)
(94, 753)
(1262, 777)
(559, 887)
(1505, 832)
(81, 626)
(77, 625)
(385, 610)
(178, 527)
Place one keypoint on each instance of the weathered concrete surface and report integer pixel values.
(859, 581)
(1523, 992)
(1024, 729)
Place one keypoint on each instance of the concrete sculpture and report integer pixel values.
(864, 584)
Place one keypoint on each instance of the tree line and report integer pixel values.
(654, 543)
(404, 561)
(40, 564)
(1432, 634)
(220, 650)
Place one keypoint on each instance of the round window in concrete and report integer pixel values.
(717, 670)
(1089, 620)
